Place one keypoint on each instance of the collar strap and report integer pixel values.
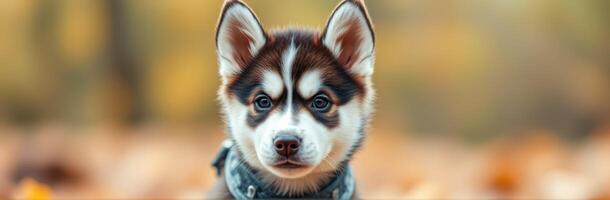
(243, 183)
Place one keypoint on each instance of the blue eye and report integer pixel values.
(262, 102)
(321, 103)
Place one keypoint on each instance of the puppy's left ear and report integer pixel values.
(239, 37)
(349, 36)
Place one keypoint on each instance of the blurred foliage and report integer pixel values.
(32, 190)
(474, 68)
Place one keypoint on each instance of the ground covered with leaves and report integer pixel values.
(53, 161)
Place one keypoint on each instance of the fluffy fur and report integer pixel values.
(293, 67)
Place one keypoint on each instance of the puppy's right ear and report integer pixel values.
(239, 37)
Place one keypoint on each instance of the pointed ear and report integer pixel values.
(239, 37)
(349, 36)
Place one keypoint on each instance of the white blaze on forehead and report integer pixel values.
(287, 61)
(310, 84)
(272, 84)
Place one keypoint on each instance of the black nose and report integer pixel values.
(286, 144)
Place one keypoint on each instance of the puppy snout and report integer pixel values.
(287, 144)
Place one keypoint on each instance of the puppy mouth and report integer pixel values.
(289, 164)
(290, 168)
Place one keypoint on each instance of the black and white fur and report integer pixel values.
(292, 68)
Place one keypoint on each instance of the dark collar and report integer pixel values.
(243, 183)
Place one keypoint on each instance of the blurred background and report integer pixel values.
(476, 98)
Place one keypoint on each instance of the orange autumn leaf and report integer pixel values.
(31, 189)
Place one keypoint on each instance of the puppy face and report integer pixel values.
(296, 101)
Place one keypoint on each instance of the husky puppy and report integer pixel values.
(296, 103)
